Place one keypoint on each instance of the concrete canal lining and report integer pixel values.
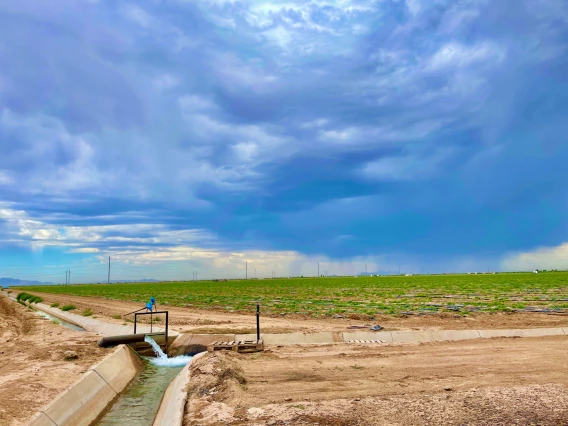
(172, 406)
(90, 396)
(187, 343)
(100, 327)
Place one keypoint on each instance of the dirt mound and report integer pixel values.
(33, 368)
(13, 320)
(215, 379)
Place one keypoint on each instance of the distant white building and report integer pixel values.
(535, 271)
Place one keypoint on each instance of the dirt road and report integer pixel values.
(199, 321)
(482, 382)
(33, 369)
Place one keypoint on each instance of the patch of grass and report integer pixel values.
(87, 312)
(30, 298)
(68, 307)
(54, 305)
(22, 297)
(117, 316)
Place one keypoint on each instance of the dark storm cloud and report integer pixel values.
(412, 127)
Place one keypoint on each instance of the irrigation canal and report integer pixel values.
(59, 321)
(138, 405)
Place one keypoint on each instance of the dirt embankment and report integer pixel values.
(33, 368)
(482, 382)
(215, 322)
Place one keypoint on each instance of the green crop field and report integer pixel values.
(349, 296)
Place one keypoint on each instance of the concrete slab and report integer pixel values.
(82, 403)
(487, 334)
(385, 336)
(248, 336)
(411, 336)
(119, 368)
(565, 330)
(283, 339)
(453, 335)
(41, 419)
(323, 337)
(537, 332)
(293, 338)
(190, 343)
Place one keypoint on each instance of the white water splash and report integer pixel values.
(162, 359)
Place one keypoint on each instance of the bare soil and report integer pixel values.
(214, 322)
(504, 381)
(33, 370)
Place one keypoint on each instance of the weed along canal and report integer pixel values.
(138, 405)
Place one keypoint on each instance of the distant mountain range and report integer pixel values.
(6, 282)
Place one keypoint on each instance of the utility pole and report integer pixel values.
(69, 276)
(66, 277)
(255, 273)
(366, 274)
(108, 280)
(318, 269)
(246, 270)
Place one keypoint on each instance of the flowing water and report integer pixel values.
(139, 404)
(59, 321)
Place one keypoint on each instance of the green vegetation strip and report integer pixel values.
(30, 298)
(357, 297)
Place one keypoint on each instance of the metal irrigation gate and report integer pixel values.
(151, 322)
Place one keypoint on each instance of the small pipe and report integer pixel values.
(166, 332)
(257, 322)
(110, 341)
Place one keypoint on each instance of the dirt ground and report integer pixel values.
(505, 381)
(33, 370)
(486, 381)
(199, 321)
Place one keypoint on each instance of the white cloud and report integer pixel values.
(407, 167)
(23, 229)
(5, 178)
(458, 55)
(154, 246)
(539, 258)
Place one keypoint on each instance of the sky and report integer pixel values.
(229, 137)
